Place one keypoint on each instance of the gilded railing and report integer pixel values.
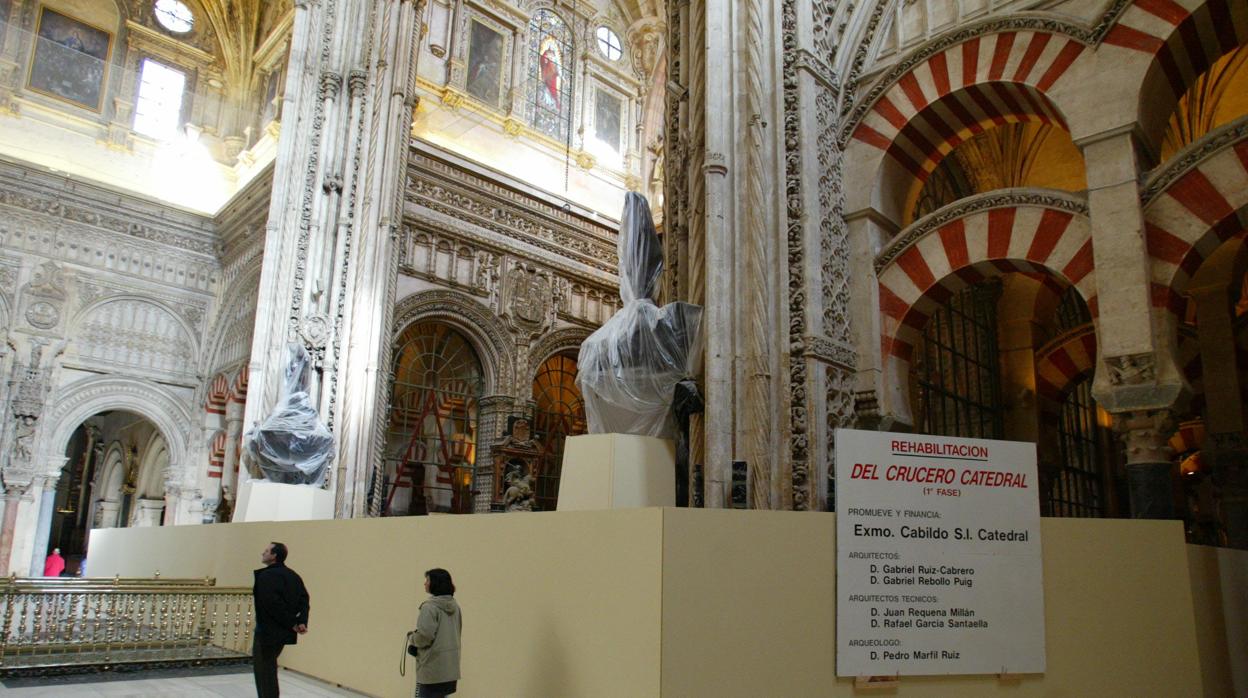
(65, 622)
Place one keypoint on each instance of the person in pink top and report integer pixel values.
(55, 564)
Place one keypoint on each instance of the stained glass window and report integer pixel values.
(431, 441)
(559, 413)
(550, 74)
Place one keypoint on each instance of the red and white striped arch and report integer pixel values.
(1036, 60)
(238, 392)
(1184, 36)
(1027, 238)
(216, 454)
(1063, 361)
(218, 394)
(1193, 215)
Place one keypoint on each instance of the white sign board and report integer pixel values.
(938, 566)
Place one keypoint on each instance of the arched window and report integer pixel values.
(550, 74)
(431, 442)
(957, 368)
(1077, 486)
(558, 414)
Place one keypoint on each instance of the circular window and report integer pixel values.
(609, 44)
(174, 16)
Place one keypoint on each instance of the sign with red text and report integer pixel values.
(938, 566)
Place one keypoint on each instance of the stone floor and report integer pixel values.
(232, 682)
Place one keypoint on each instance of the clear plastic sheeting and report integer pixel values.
(292, 446)
(628, 369)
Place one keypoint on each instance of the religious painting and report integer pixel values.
(71, 59)
(607, 108)
(485, 63)
(550, 51)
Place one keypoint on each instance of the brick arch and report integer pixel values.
(1030, 57)
(1191, 207)
(971, 241)
(1064, 360)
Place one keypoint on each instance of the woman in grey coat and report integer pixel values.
(437, 637)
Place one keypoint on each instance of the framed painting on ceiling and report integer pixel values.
(70, 60)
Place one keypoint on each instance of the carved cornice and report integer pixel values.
(57, 197)
(1191, 157)
(1046, 198)
(462, 195)
(938, 44)
(811, 64)
(829, 352)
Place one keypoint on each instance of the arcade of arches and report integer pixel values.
(986, 218)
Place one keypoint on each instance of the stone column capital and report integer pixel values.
(1146, 434)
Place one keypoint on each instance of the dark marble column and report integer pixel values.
(1150, 474)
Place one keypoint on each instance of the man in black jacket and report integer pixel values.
(281, 616)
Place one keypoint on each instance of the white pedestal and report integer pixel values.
(261, 500)
(617, 471)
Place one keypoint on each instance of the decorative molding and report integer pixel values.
(74, 403)
(1190, 157)
(829, 352)
(551, 343)
(1047, 198)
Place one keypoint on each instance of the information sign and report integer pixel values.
(938, 556)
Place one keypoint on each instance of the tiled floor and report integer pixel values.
(229, 685)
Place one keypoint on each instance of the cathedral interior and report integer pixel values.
(1006, 219)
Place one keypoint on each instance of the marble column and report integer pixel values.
(12, 499)
(230, 466)
(1150, 474)
(43, 529)
(329, 269)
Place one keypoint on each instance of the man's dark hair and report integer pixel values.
(440, 583)
(279, 552)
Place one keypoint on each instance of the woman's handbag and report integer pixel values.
(409, 647)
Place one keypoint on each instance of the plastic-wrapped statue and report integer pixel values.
(292, 446)
(628, 369)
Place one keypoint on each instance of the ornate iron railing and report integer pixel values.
(56, 624)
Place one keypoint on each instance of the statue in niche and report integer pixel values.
(519, 494)
(292, 446)
(515, 468)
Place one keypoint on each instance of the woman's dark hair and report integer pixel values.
(440, 583)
